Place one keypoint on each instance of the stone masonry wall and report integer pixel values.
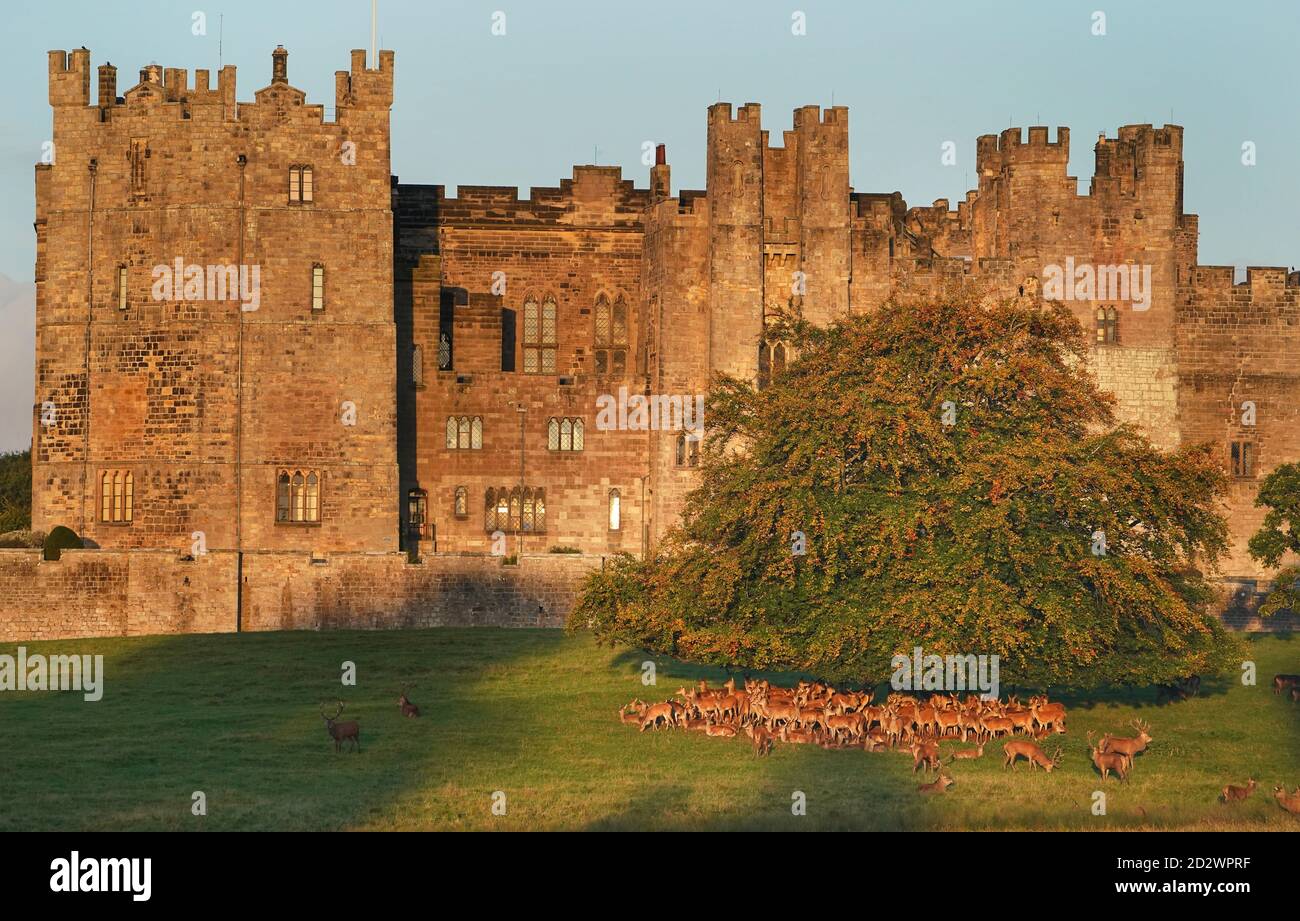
(90, 593)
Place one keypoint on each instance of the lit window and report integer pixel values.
(301, 186)
(1107, 326)
(540, 336)
(297, 499)
(117, 496)
(318, 287)
(464, 433)
(121, 287)
(564, 434)
(611, 336)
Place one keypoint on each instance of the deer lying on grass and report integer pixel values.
(630, 714)
(404, 704)
(1129, 748)
(967, 753)
(941, 783)
(1022, 748)
(1284, 682)
(1108, 762)
(348, 731)
(1288, 801)
(1235, 794)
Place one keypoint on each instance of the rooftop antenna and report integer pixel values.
(221, 38)
(374, 26)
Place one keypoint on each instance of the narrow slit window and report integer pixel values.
(318, 287)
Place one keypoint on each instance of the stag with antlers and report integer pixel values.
(1129, 748)
(340, 732)
(404, 704)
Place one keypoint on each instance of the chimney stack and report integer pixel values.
(279, 65)
(107, 85)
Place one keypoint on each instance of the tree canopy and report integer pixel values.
(1278, 536)
(956, 481)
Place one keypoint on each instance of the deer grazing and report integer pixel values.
(1037, 758)
(1235, 794)
(1108, 762)
(940, 784)
(1129, 748)
(1288, 801)
(340, 732)
(404, 704)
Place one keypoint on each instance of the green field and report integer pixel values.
(532, 713)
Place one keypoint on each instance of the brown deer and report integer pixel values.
(1107, 762)
(340, 732)
(404, 704)
(1022, 748)
(1129, 748)
(925, 754)
(1288, 801)
(1283, 682)
(967, 753)
(941, 783)
(1235, 794)
(1047, 715)
(630, 714)
(763, 739)
(656, 712)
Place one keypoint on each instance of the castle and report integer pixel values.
(406, 376)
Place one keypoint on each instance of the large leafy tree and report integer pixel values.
(1279, 535)
(961, 485)
(15, 491)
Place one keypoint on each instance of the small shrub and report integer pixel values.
(22, 539)
(61, 539)
(558, 549)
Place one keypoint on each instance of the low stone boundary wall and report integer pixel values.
(155, 592)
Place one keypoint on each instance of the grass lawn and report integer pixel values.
(532, 713)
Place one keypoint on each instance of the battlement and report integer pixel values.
(750, 113)
(810, 115)
(70, 77)
(69, 85)
(593, 190)
(1222, 278)
(993, 152)
(1169, 137)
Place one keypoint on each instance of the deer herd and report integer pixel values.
(813, 713)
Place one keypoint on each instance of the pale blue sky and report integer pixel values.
(570, 77)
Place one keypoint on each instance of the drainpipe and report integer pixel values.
(90, 305)
(242, 162)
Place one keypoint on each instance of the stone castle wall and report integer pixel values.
(93, 593)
